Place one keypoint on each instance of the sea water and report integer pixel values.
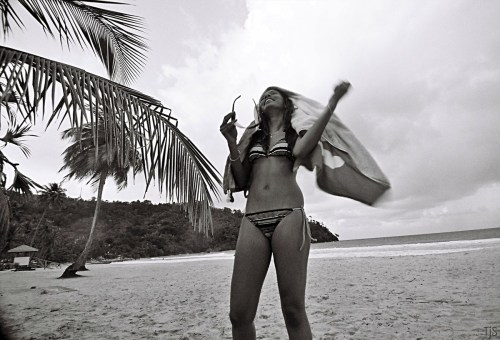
(406, 249)
(411, 245)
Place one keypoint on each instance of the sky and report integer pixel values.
(424, 100)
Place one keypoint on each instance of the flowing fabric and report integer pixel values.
(343, 165)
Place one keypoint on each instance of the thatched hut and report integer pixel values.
(22, 257)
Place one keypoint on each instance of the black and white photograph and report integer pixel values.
(249, 169)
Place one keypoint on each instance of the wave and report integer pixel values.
(415, 249)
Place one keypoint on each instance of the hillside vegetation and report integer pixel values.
(125, 229)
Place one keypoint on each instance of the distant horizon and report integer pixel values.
(420, 234)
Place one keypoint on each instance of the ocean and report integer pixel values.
(410, 245)
(466, 235)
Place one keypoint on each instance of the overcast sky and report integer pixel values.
(425, 99)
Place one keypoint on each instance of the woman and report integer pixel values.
(274, 222)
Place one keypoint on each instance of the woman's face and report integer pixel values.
(271, 100)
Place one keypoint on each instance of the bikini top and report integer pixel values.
(281, 148)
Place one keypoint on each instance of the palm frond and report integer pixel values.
(113, 36)
(7, 12)
(10, 103)
(89, 156)
(23, 184)
(16, 99)
(132, 121)
(186, 174)
(14, 136)
(52, 193)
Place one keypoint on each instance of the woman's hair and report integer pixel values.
(263, 136)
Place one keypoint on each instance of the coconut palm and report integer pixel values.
(85, 160)
(28, 81)
(20, 183)
(52, 195)
(14, 136)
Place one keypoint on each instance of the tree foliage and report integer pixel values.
(28, 82)
(51, 194)
(127, 229)
(113, 36)
(20, 183)
(90, 158)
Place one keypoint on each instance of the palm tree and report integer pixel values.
(51, 194)
(83, 159)
(168, 157)
(20, 183)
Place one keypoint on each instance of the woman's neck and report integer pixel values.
(276, 124)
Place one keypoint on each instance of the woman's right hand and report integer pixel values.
(228, 129)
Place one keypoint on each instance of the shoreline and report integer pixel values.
(329, 250)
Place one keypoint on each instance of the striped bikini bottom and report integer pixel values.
(267, 221)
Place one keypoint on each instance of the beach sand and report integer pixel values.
(444, 296)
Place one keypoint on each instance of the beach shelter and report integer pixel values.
(22, 256)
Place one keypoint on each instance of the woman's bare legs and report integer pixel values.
(252, 258)
(291, 270)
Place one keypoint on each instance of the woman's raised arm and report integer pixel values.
(310, 139)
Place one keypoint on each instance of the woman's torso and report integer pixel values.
(273, 183)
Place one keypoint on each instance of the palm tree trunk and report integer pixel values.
(37, 226)
(5, 213)
(79, 264)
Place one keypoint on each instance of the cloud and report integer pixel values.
(424, 101)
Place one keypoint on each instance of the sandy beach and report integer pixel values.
(435, 296)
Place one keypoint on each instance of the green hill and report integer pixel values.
(125, 229)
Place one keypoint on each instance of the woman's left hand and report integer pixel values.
(339, 91)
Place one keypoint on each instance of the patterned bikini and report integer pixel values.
(281, 148)
(267, 221)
